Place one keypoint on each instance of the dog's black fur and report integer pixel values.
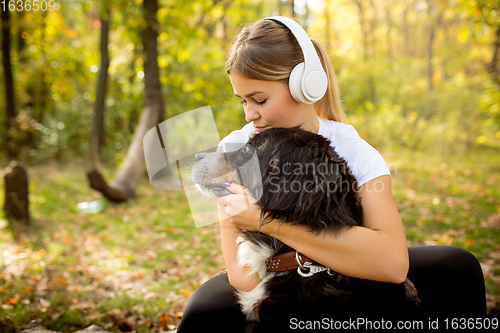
(324, 199)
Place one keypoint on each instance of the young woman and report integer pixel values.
(259, 67)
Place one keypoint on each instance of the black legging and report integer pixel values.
(449, 281)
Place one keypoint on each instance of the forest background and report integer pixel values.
(419, 80)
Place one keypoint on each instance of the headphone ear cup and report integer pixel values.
(295, 84)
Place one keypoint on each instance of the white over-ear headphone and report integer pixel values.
(308, 81)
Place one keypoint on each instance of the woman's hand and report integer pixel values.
(241, 208)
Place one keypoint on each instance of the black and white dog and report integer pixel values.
(304, 182)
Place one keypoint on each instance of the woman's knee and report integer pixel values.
(447, 260)
(211, 304)
(449, 279)
(214, 294)
(461, 260)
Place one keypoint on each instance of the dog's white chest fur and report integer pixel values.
(254, 257)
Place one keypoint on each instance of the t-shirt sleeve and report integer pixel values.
(364, 161)
(235, 140)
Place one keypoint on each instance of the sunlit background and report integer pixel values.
(419, 80)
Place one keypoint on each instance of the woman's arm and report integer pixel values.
(238, 276)
(377, 251)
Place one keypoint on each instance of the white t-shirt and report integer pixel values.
(365, 162)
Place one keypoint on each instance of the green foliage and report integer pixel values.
(388, 93)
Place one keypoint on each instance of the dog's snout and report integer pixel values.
(198, 157)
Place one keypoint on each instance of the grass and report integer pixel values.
(452, 200)
(134, 265)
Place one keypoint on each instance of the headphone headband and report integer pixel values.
(308, 80)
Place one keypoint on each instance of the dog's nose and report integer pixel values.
(198, 157)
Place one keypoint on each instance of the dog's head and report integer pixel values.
(303, 179)
(212, 170)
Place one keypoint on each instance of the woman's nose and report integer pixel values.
(251, 114)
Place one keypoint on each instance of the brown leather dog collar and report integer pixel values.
(290, 260)
(287, 261)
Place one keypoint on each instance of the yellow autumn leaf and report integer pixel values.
(481, 139)
(165, 320)
(445, 240)
(13, 300)
(61, 281)
(186, 292)
(39, 254)
(28, 290)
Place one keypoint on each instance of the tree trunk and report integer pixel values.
(407, 8)
(435, 16)
(152, 86)
(227, 4)
(98, 124)
(16, 203)
(432, 34)
(493, 66)
(373, 56)
(21, 43)
(362, 26)
(388, 15)
(430, 70)
(128, 176)
(366, 49)
(372, 31)
(9, 83)
(328, 21)
(42, 90)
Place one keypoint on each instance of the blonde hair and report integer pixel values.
(266, 50)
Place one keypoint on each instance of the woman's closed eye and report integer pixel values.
(257, 102)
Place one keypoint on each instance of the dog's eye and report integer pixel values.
(245, 149)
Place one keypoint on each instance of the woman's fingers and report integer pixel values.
(234, 204)
(240, 189)
(237, 202)
(235, 188)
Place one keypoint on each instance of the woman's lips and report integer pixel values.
(259, 129)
